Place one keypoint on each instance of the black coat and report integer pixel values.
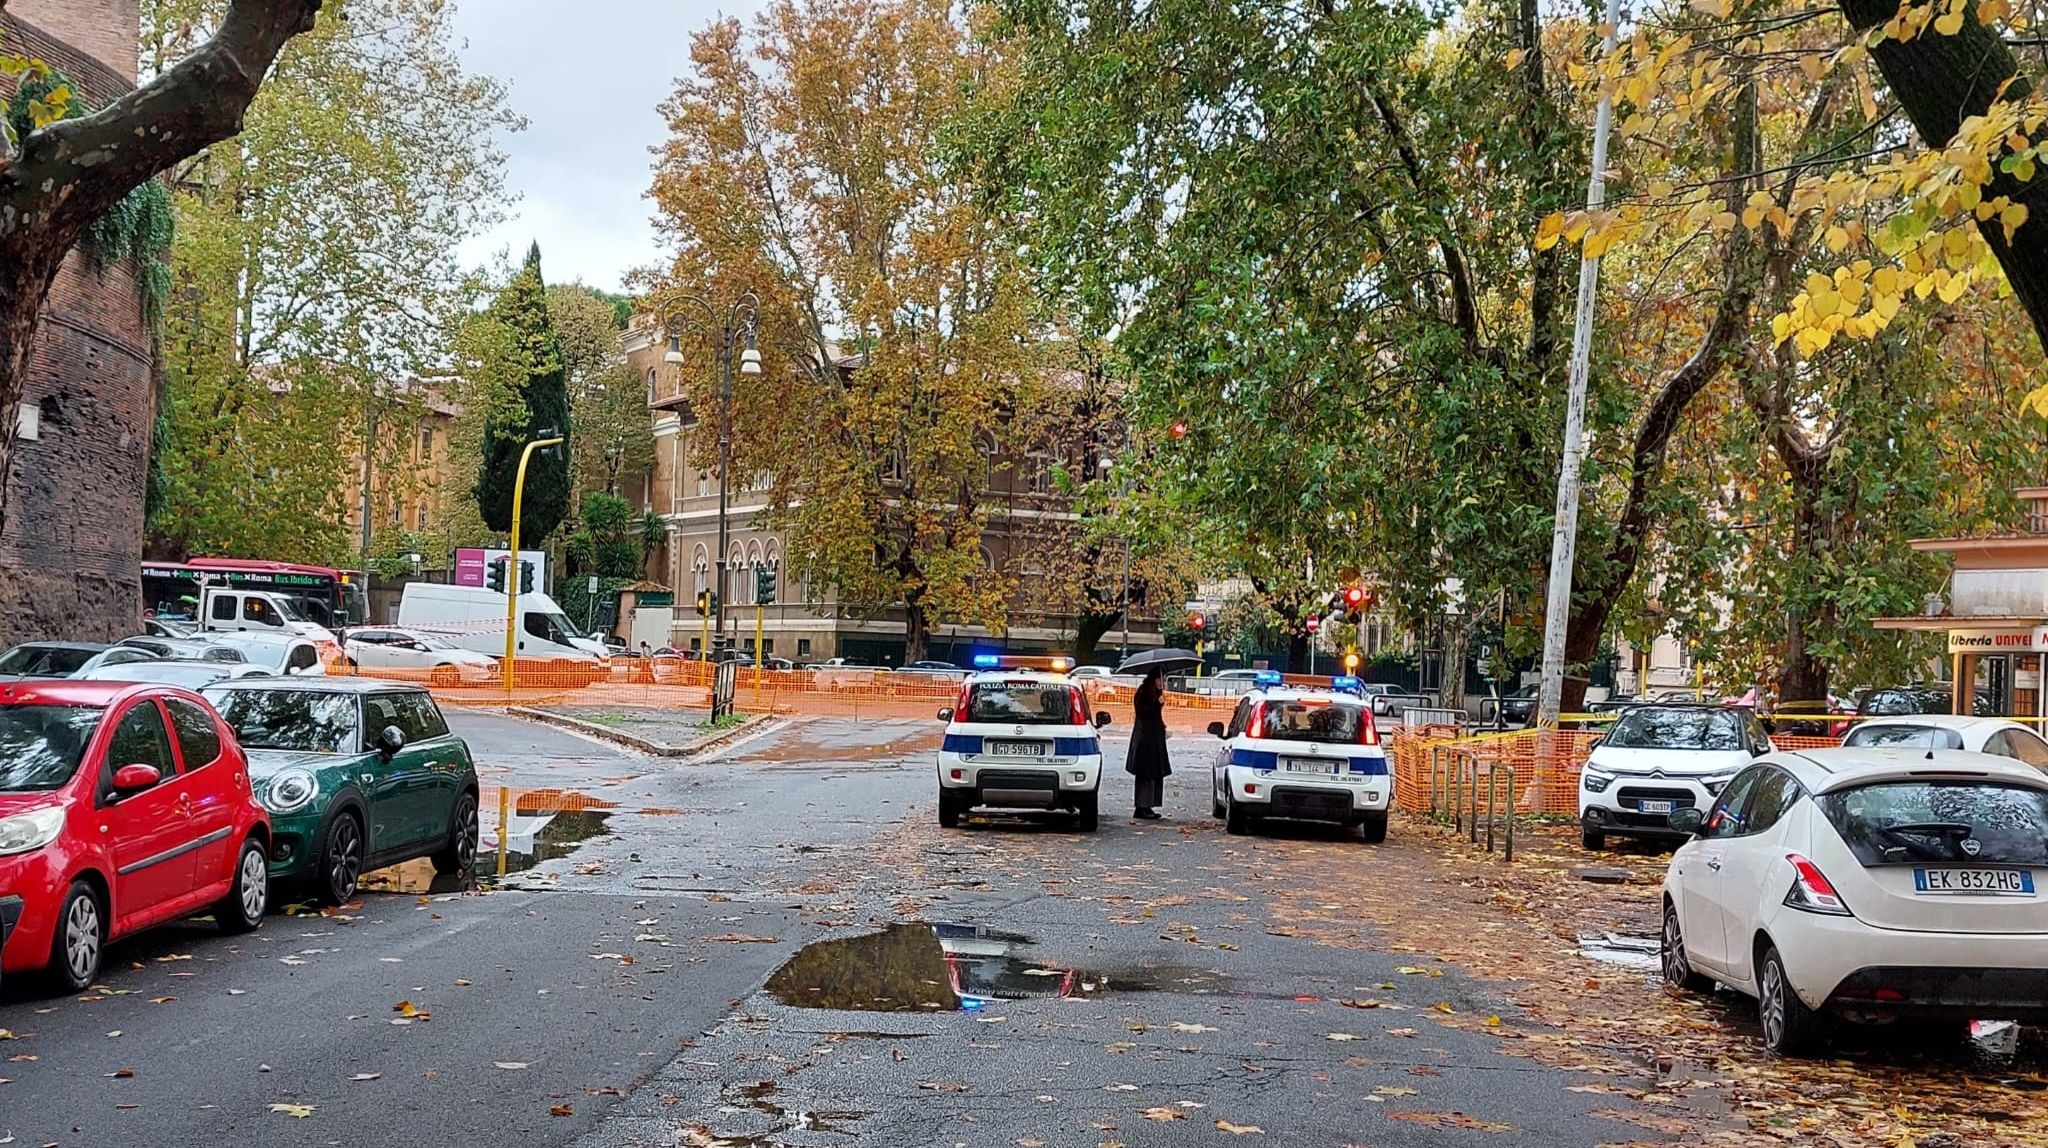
(1147, 756)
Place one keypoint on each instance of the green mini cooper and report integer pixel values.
(357, 774)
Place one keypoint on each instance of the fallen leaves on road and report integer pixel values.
(510, 1065)
(1182, 1026)
(745, 939)
(561, 1110)
(945, 1086)
(367, 1076)
(299, 1110)
(1451, 1120)
(120, 1074)
(1238, 1129)
(1343, 1036)
(411, 1011)
(1396, 1090)
(1163, 1114)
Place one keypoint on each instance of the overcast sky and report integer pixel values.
(587, 77)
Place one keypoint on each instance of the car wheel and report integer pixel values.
(1790, 1028)
(1236, 821)
(241, 911)
(1085, 812)
(341, 860)
(949, 810)
(81, 935)
(1592, 840)
(459, 854)
(1374, 827)
(1678, 971)
(1216, 809)
(445, 677)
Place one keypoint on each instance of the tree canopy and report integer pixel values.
(519, 382)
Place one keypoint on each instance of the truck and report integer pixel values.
(473, 617)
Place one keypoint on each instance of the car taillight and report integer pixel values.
(966, 693)
(1077, 705)
(1811, 891)
(1368, 729)
(1255, 726)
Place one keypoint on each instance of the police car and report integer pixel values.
(1310, 754)
(1020, 739)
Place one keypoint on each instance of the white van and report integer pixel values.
(473, 618)
(222, 610)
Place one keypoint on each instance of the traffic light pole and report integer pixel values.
(511, 581)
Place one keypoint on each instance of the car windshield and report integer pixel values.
(1021, 703)
(1967, 822)
(44, 661)
(1654, 728)
(292, 609)
(1887, 703)
(40, 746)
(1908, 736)
(1312, 721)
(289, 719)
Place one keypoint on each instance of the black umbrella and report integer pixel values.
(1166, 658)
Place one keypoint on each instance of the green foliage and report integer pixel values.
(607, 398)
(530, 356)
(611, 542)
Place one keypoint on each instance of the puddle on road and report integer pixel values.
(1623, 949)
(945, 967)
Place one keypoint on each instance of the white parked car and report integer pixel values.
(1999, 736)
(444, 663)
(1301, 753)
(282, 655)
(1657, 759)
(1019, 739)
(1870, 885)
(192, 674)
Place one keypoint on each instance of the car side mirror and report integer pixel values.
(946, 715)
(135, 778)
(390, 740)
(1687, 821)
(1215, 729)
(1759, 749)
(1595, 743)
(1101, 718)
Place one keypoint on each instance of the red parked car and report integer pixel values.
(122, 806)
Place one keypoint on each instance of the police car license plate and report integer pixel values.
(1656, 806)
(2003, 882)
(1015, 748)
(1308, 765)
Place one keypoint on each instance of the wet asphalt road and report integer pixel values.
(622, 980)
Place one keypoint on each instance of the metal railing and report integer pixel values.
(1456, 777)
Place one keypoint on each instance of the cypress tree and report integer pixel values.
(522, 311)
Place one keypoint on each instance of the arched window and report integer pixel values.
(991, 452)
(650, 386)
(700, 567)
(739, 581)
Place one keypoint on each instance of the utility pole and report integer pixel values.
(1564, 538)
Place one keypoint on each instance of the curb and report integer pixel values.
(754, 723)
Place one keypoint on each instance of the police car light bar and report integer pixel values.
(1057, 665)
(1344, 682)
(987, 661)
(1269, 677)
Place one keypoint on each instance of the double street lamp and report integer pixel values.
(735, 325)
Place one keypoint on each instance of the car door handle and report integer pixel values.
(1714, 863)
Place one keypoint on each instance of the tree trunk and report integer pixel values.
(1297, 651)
(1804, 677)
(1088, 634)
(1942, 80)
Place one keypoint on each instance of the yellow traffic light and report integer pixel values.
(1351, 662)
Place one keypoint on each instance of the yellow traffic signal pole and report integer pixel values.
(512, 568)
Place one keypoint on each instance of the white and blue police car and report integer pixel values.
(1302, 753)
(1020, 739)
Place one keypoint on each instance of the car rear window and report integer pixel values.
(1901, 822)
(1906, 736)
(1021, 703)
(1653, 728)
(1886, 703)
(1311, 721)
(43, 661)
(40, 746)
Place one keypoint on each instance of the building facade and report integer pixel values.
(72, 547)
(806, 623)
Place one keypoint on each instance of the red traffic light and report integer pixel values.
(1314, 623)
(1197, 622)
(1354, 596)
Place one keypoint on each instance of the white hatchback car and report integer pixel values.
(1873, 885)
(391, 648)
(1301, 753)
(1657, 759)
(1019, 739)
(2001, 737)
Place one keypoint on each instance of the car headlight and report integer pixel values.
(1595, 780)
(32, 830)
(1717, 782)
(290, 791)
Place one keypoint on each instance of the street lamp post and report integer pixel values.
(738, 321)
(512, 566)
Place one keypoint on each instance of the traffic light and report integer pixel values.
(764, 585)
(525, 576)
(703, 601)
(1351, 662)
(1197, 622)
(495, 576)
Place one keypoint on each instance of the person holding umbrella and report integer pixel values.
(1146, 761)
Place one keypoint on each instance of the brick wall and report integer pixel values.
(70, 556)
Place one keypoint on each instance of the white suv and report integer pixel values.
(1020, 740)
(1872, 885)
(1657, 759)
(1301, 753)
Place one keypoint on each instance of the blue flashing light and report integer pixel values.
(987, 661)
(1345, 682)
(1269, 677)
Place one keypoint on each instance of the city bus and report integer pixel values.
(332, 598)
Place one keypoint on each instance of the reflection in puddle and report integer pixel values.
(416, 876)
(531, 840)
(1630, 952)
(944, 967)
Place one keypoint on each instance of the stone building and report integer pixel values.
(807, 623)
(70, 557)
